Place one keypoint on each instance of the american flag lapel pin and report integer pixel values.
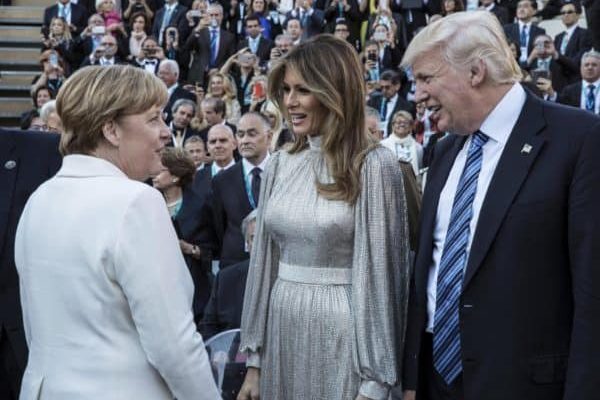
(526, 149)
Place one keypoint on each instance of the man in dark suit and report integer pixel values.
(586, 93)
(224, 308)
(235, 192)
(26, 160)
(574, 41)
(75, 15)
(503, 301)
(312, 20)
(168, 72)
(523, 32)
(211, 46)
(545, 57)
(390, 99)
(258, 45)
(183, 111)
(170, 15)
(500, 12)
(105, 54)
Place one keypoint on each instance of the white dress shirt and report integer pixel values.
(525, 48)
(215, 169)
(248, 167)
(105, 292)
(497, 126)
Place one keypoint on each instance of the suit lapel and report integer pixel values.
(518, 157)
(8, 179)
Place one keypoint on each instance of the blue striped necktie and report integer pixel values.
(213, 47)
(590, 101)
(446, 335)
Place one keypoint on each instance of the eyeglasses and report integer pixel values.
(341, 30)
(401, 123)
(567, 12)
(108, 44)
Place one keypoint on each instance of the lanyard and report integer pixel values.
(248, 188)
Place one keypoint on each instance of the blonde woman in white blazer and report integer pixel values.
(105, 291)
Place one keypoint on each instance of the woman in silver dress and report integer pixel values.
(325, 302)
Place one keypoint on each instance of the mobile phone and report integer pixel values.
(379, 36)
(171, 33)
(372, 56)
(53, 59)
(196, 13)
(98, 30)
(45, 31)
(258, 90)
(539, 73)
(246, 58)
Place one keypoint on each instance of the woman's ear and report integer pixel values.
(111, 133)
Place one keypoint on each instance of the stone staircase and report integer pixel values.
(19, 55)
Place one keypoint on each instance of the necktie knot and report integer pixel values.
(256, 172)
(591, 89)
(479, 138)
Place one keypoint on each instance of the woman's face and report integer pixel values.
(138, 24)
(140, 139)
(258, 6)
(449, 5)
(272, 118)
(106, 6)
(303, 107)
(57, 27)
(217, 87)
(164, 180)
(401, 127)
(43, 96)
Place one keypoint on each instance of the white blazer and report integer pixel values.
(106, 294)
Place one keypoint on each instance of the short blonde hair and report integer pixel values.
(404, 115)
(462, 38)
(95, 95)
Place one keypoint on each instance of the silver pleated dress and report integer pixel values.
(325, 304)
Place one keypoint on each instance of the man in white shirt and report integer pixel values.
(574, 41)
(503, 303)
(523, 32)
(586, 93)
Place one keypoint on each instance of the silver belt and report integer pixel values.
(315, 276)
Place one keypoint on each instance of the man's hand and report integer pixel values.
(545, 86)
(409, 395)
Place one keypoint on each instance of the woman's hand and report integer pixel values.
(250, 388)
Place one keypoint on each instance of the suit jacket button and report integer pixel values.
(10, 164)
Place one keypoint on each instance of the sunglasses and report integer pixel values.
(567, 12)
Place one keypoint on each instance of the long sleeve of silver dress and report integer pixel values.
(325, 303)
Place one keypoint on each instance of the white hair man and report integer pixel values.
(585, 94)
(168, 72)
(503, 303)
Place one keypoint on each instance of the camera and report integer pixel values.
(246, 58)
(372, 56)
(171, 33)
(379, 36)
(98, 30)
(539, 73)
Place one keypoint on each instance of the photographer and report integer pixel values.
(560, 69)
(135, 7)
(371, 61)
(192, 19)
(58, 37)
(150, 56)
(105, 54)
(283, 43)
(54, 73)
(172, 48)
(346, 10)
(140, 24)
(90, 38)
(242, 68)
(389, 54)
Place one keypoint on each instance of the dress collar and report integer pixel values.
(314, 142)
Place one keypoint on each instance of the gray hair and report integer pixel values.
(183, 102)
(248, 220)
(47, 109)
(463, 38)
(215, 5)
(221, 126)
(194, 139)
(371, 112)
(171, 66)
(261, 117)
(592, 53)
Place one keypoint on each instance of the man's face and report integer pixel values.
(447, 92)
(373, 127)
(253, 29)
(294, 29)
(210, 116)
(196, 151)
(110, 46)
(341, 31)
(166, 75)
(96, 20)
(568, 15)
(221, 144)
(590, 69)
(544, 46)
(253, 138)
(525, 10)
(284, 44)
(216, 13)
(183, 116)
(388, 89)
(486, 3)
(149, 48)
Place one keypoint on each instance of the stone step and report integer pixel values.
(33, 3)
(26, 15)
(21, 33)
(19, 77)
(19, 56)
(14, 90)
(11, 106)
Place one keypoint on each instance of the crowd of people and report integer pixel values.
(261, 135)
